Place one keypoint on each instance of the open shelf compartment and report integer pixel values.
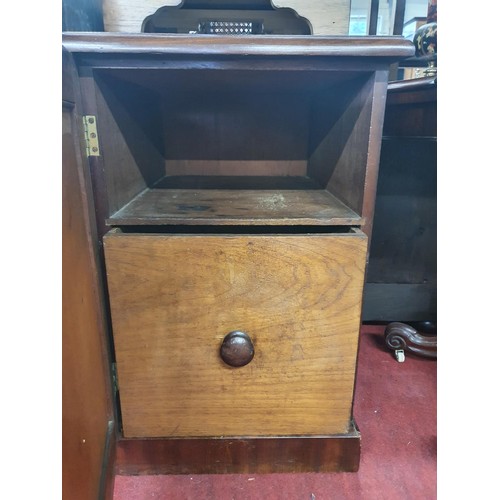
(234, 147)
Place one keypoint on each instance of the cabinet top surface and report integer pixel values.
(391, 47)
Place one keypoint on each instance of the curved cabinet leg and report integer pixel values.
(401, 337)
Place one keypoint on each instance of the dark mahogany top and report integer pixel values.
(392, 47)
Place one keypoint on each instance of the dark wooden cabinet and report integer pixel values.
(234, 185)
(402, 272)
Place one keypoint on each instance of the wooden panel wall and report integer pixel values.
(129, 129)
(339, 140)
(227, 133)
(87, 415)
(327, 17)
(358, 123)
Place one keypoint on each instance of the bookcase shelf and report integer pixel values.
(198, 200)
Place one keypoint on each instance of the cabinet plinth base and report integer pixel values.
(335, 453)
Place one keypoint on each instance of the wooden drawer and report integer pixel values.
(174, 298)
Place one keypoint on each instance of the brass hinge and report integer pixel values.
(91, 139)
(114, 374)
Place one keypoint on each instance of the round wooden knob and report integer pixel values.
(237, 349)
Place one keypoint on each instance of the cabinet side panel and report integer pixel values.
(340, 122)
(129, 124)
(86, 401)
(374, 145)
(174, 299)
(345, 142)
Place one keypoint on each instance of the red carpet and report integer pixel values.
(395, 409)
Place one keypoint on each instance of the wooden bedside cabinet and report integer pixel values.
(234, 183)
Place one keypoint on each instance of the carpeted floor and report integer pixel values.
(395, 409)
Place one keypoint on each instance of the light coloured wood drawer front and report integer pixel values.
(174, 298)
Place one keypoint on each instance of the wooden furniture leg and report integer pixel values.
(401, 337)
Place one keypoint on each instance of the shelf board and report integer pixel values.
(198, 204)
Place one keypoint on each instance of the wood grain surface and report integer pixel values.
(328, 17)
(129, 131)
(340, 130)
(173, 300)
(390, 48)
(229, 207)
(336, 453)
(378, 97)
(86, 392)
